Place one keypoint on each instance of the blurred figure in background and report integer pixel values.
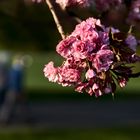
(15, 93)
(4, 58)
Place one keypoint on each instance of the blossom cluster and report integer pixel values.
(69, 3)
(96, 59)
(105, 5)
(134, 14)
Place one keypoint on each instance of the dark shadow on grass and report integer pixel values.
(58, 95)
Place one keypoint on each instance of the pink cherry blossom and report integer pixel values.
(80, 50)
(51, 72)
(64, 47)
(87, 26)
(122, 82)
(96, 90)
(94, 60)
(90, 74)
(82, 41)
(103, 60)
(68, 76)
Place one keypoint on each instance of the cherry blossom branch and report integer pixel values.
(59, 27)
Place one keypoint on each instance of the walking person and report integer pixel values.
(15, 93)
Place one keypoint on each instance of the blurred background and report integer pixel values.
(33, 108)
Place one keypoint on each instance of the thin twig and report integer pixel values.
(132, 75)
(59, 27)
(72, 14)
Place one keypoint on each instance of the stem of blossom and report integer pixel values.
(134, 75)
(113, 96)
(59, 27)
(78, 20)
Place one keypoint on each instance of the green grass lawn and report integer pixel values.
(123, 133)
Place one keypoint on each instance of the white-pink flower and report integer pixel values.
(90, 74)
(96, 90)
(51, 72)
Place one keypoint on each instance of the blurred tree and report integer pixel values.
(26, 27)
